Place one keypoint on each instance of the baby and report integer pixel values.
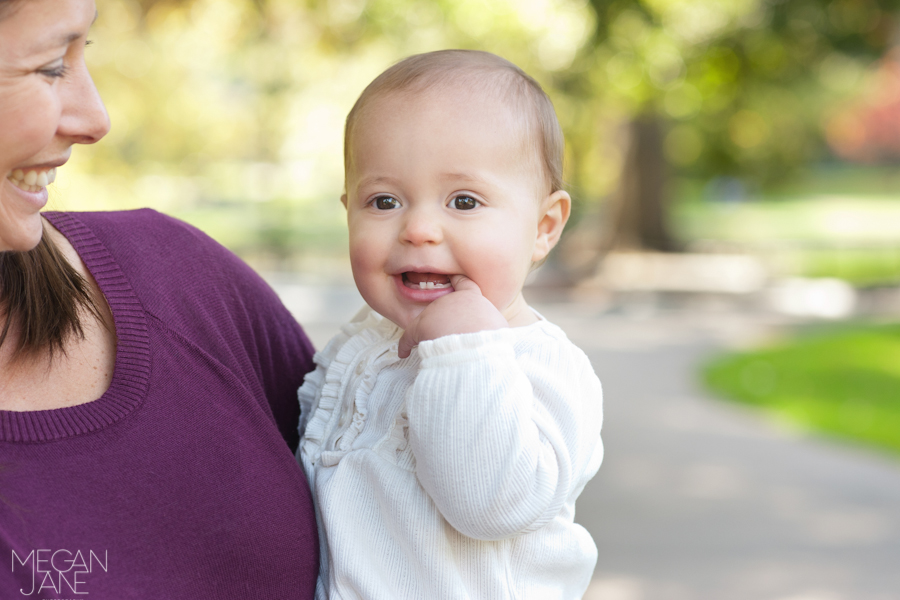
(448, 429)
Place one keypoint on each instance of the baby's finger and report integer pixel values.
(406, 344)
(461, 283)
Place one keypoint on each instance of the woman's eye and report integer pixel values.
(464, 203)
(386, 203)
(55, 70)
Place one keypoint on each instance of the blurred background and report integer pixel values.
(735, 167)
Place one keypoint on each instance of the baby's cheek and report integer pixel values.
(362, 265)
(500, 280)
(363, 252)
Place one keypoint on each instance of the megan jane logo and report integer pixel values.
(58, 571)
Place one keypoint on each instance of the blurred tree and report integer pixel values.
(218, 105)
(221, 105)
(719, 88)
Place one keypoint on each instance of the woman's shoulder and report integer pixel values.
(174, 268)
(140, 233)
(148, 243)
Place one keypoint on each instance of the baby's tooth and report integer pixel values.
(429, 285)
(421, 285)
(42, 180)
(51, 175)
(31, 178)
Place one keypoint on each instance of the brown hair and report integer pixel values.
(42, 296)
(421, 72)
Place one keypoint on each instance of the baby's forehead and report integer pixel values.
(469, 99)
(478, 86)
(502, 101)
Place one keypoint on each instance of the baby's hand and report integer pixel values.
(463, 311)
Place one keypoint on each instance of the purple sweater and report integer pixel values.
(180, 481)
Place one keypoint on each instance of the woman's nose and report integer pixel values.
(421, 226)
(84, 119)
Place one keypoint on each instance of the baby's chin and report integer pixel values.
(403, 318)
(399, 316)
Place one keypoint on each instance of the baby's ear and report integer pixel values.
(344, 200)
(554, 213)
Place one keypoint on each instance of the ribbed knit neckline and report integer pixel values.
(131, 376)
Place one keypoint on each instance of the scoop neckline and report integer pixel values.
(131, 374)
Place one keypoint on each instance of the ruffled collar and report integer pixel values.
(348, 365)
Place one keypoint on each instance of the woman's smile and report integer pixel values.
(32, 180)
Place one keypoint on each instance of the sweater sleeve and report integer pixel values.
(284, 355)
(206, 294)
(502, 441)
(237, 302)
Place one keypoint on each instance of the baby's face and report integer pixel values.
(441, 183)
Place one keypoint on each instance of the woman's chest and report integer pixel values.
(79, 375)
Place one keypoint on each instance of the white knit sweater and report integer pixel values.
(452, 473)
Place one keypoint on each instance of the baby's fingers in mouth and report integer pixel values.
(461, 283)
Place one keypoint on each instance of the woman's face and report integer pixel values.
(47, 103)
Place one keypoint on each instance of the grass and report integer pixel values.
(843, 382)
(861, 267)
(833, 221)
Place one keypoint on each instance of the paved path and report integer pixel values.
(698, 499)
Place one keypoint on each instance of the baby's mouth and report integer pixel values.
(425, 281)
(32, 180)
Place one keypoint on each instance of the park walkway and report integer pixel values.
(699, 499)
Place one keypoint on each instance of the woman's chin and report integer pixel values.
(23, 237)
(21, 224)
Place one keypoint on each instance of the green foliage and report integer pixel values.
(746, 84)
(221, 103)
(860, 267)
(843, 382)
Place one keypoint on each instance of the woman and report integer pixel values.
(147, 377)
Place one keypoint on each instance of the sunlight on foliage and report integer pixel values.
(238, 106)
(230, 112)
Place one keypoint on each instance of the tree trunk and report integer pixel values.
(637, 217)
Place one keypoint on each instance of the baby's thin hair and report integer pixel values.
(421, 72)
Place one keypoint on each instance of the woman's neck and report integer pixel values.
(79, 374)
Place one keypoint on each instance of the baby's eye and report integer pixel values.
(465, 203)
(385, 203)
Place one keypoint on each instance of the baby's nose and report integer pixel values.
(421, 228)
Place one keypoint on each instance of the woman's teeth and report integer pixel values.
(32, 181)
(430, 285)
